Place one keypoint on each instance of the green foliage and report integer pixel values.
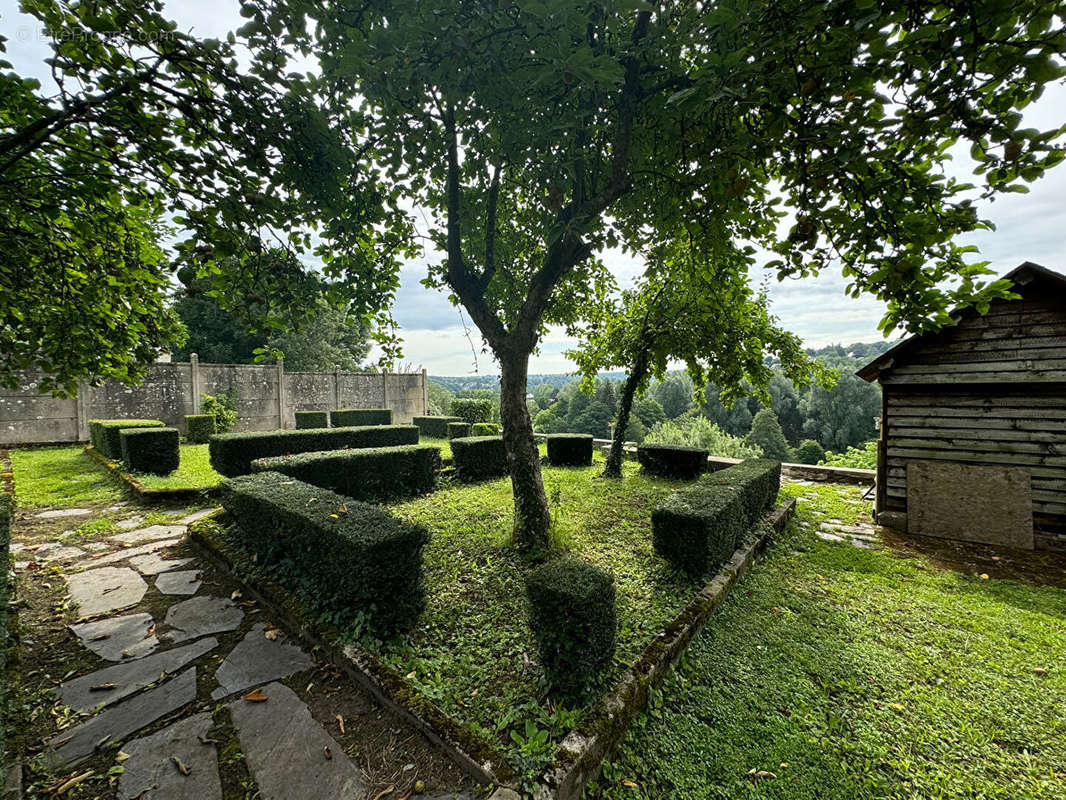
(572, 614)
(434, 427)
(472, 409)
(59, 477)
(844, 416)
(232, 454)
(222, 407)
(457, 430)
(311, 419)
(808, 452)
(345, 557)
(199, 428)
(766, 435)
(864, 457)
(485, 429)
(371, 474)
(479, 457)
(544, 395)
(672, 461)
(104, 434)
(440, 399)
(6, 509)
(154, 450)
(570, 449)
(696, 431)
(352, 417)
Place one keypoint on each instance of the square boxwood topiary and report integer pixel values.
(155, 450)
(311, 419)
(485, 429)
(371, 474)
(199, 428)
(232, 454)
(570, 449)
(457, 430)
(353, 417)
(344, 557)
(434, 427)
(672, 461)
(104, 434)
(757, 479)
(476, 458)
(572, 614)
(472, 409)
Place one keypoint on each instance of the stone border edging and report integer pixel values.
(475, 756)
(578, 758)
(146, 493)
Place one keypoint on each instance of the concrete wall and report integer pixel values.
(267, 398)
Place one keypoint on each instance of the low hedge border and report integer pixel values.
(232, 454)
(145, 493)
(434, 427)
(570, 449)
(458, 430)
(477, 458)
(354, 417)
(370, 474)
(672, 461)
(155, 450)
(475, 756)
(485, 429)
(306, 420)
(104, 434)
(472, 409)
(199, 428)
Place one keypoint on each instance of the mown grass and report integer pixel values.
(851, 673)
(194, 471)
(61, 477)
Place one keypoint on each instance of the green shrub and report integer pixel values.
(570, 449)
(233, 453)
(698, 431)
(199, 428)
(353, 417)
(434, 427)
(864, 457)
(671, 461)
(371, 474)
(700, 526)
(457, 430)
(470, 409)
(344, 557)
(104, 434)
(485, 429)
(222, 407)
(479, 457)
(155, 450)
(311, 419)
(808, 452)
(572, 614)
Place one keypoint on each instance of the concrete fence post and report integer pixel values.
(197, 386)
(425, 392)
(281, 393)
(337, 387)
(385, 389)
(81, 411)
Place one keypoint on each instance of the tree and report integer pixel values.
(766, 434)
(543, 395)
(696, 431)
(534, 135)
(440, 399)
(214, 334)
(674, 394)
(809, 452)
(331, 339)
(844, 416)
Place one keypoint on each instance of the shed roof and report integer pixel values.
(1024, 274)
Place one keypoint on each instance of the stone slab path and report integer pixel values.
(257, 659)
(101, 591)
(173, 764)
(118, 638)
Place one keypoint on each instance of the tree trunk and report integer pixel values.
(532, 517)
(625, 405)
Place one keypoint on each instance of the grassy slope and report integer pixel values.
(860, 674)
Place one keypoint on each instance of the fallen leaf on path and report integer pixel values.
(389, 790)
(629, 784)
(272, 634)
(340, 721)
(102, 687)
(74, 781)
(255, 697)
(327, 753)
(184, 770)
(1039, 671)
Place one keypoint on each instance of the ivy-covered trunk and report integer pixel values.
(625, 406)
(532, 517)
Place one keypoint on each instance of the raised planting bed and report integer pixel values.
(193, 478)
(469, 669)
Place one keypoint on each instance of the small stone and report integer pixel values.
(181, 582)
(150, 770)
(196, 516)
(129, 552)
(118, 638)
(256, 660)
(150, 534)
(59, 513)
(100, 591)
(60, 553)
(96, 547)
(129, 524)
(200, 616)
(153, 563)
(829, 537)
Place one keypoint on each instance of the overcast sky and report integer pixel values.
(1030, 227)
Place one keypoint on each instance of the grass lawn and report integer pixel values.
(61, 476)
(444, 445)
(854, 673)
(194, 471)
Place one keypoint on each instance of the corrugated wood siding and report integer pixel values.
(1007, 425)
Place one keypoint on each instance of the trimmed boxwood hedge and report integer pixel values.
(570, 449)
(485, 429)
(478, 457)
(156, 450)
(311, 419)
(353, 417)
(344, 557)
(104, 434)
(572, 614)
(434, 427)
(672, 461)
(232, 454)
(472, 409)
(457, 430)
(372, 474)
(700, 527)
(199, 428)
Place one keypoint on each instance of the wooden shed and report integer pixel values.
(973, 425)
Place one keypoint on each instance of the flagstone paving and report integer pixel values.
(118, 638)
(185, 581)
(173, 764)
(100, 591)
(201, 616)
(258, 659)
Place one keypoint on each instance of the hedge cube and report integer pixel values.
(232, 454)
(457, 430)
(371, 474)
(345, 558)
(672, 461)
(472, 409)
(757, 479)
(434, 427)
(199, 428)
(104, 434)
(479, 457)
(354, 417)
(572, 614)
(570, 449)
(155, 450)
(485, 429)
(311, 419)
